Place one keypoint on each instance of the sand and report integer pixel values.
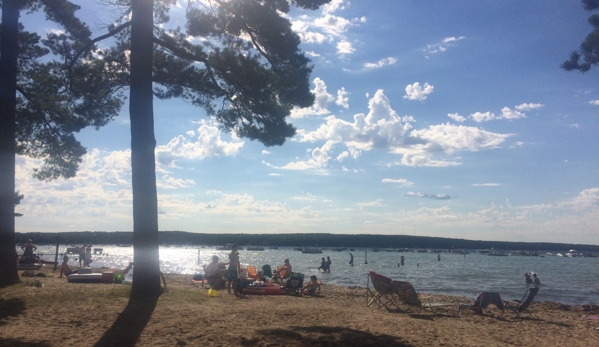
(67, 314)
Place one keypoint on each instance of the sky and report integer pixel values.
(432, 118)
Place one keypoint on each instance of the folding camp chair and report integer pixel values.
(382, 294)
(407, 294)
(294, 284)
(522, 305)
(251, 271)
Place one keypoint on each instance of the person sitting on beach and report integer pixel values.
(65, 269)
(312, 287)
(213, 274)
(28, 249)
(536, 281)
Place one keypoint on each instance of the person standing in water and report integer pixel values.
(438, 256)
(351, 260)
(329, 262)
(402, 259)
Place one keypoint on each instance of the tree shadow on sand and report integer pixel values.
(129, 325)
(10, 308)
(326, 336)
(17, 342)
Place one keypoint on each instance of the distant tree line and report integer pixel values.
(297, 240)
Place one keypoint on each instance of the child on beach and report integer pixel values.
(312, 287)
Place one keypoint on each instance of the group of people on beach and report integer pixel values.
(216, 272)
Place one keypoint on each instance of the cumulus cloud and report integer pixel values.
(415, 92)
(342, 100)
(321, 101)
(333, 6)
(383, 129)
(528, 107)
(317, 159)
(456, 117)
(332, 25)
(443, 45)
(345, 47)
(381, 63)
(480, 117)
(594, 102)
(208, 144)
(507, 113)
(402, 182)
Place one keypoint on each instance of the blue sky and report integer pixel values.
(432, 118)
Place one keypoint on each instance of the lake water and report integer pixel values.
(566, 280)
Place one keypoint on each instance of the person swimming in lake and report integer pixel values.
(351, 259)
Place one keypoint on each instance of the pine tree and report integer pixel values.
(588, 55)
(43, 103)
(248, 73)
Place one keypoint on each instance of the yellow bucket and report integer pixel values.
(212, 292)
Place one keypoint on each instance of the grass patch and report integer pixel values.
(183, 296)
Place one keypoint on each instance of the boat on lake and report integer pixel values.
(497, 254)
(312, 250)
(254, 248)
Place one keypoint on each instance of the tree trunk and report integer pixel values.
(8, 102)
(146, 277)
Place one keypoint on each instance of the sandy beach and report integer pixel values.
(65, 314)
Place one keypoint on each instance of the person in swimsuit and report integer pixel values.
(28, 249)
(234, 266)
(65, 269)
(312, 287)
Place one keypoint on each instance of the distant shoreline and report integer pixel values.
(297, 240)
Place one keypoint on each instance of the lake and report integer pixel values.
(568, 280)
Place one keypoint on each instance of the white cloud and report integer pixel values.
(486, 185)
(594, 102)
(332, 25)
(265, 152)
(318, 159)
(528, 107)
(333, 6)
(507, 113)
(345, 47)
(342, 156)
(443, 45)
(415, 92)
(456, 117)
(480, 117)
(208, 144)
(383, 129)
(321, 101)
(402, 182)
(381, 63)
(342, 100)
